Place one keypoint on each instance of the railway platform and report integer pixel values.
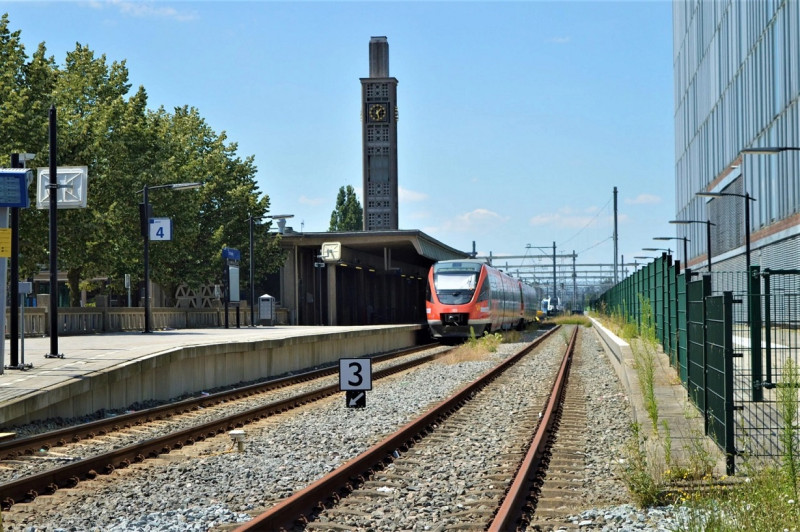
(115, 370)
(687, 440)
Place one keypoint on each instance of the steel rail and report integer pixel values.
(28, 488)
(513, 506)
(305, 504)
(12, 449)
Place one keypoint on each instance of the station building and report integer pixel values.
(737, 130)
(358, 278)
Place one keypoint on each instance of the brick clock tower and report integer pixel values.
(379, 133)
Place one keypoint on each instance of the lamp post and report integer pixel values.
(144, 214)
(708, 234)
(685, 246)
(252, 220)
(18, 160)
(747, 199)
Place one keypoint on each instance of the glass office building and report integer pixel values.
(737, 87)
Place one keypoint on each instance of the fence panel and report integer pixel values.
(682, 303)
(765, 372)
(719, 375)
(696, 340)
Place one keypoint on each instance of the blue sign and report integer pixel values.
(14, 187)
(231, 254)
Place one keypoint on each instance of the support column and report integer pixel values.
(332, 319)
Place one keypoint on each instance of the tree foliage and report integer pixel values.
(348, 214)
(126, 146)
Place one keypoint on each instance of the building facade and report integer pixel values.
(737, 87)
(379, 133)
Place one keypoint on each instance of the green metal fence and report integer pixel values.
(730, 336)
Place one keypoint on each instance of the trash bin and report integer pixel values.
(266, 310)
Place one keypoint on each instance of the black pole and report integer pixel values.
(555, 287)
(747, 230)
(146, 235)
(685, 252)
(252, 285)
(14, 282)
(708, 239)
(53, 187)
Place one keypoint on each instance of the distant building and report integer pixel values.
(737, 86)
(379, 132)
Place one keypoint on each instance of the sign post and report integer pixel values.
(13, 195)
(355, 379)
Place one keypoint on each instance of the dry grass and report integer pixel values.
(465, 353)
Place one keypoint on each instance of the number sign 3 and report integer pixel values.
(355, 374)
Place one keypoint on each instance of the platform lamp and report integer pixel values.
(685, 246)
(708, 223)
(144, 214)
(773, 150)
(747, 199)
(669, 251)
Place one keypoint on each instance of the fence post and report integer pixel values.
(754, 304)
(767, 326)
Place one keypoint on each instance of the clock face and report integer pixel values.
(377, 112)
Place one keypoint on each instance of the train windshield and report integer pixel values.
(455, 282)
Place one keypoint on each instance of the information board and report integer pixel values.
(14, 187)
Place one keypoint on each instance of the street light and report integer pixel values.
(145, 222)
(769, 151)
(708, 234)
(747, 200)
(685, 247)
(669, 251)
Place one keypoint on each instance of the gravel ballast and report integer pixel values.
(212, 484)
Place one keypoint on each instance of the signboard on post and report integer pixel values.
(72, 187)
(355, 378)
(160, 229)
(5, 242)
(14, 187)
(331, 251)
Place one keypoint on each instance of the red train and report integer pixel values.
(464, 295)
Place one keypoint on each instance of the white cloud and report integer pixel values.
(643, 199)
(145, 9)
(570, 218)
(559, 40)
(313, 202)
(404, 194)
(477, 221)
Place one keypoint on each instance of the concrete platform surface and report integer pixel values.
(690, 447)
(114, 370)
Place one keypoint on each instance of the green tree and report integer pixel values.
(125, 147)
(348, 214)
(24, 98)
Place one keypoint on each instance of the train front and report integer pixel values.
(453, 303)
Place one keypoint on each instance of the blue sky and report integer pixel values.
(517, 119)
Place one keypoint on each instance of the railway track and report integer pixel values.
(453, 465)
(34, 453)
